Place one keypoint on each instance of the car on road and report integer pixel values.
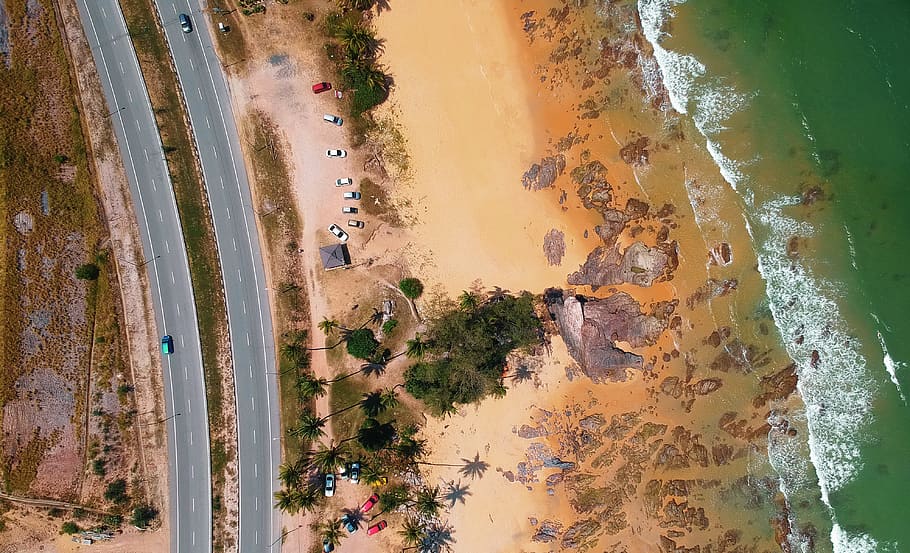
(185, 23)
(329, 485)
(333, 119)
(376, 528)
(349, 209)
(344, 182)
(327, 546)
(351, 195)
(339, 234)
(355, 472)
(369, 503)
(355, 223)
(321, 87)
(349, 523)
(336, 153)
(167, 344)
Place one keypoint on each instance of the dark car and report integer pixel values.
(376, 528)
(167, 344)
(369, 503)
(185, 23)
(321, 87)
(327, 546)
(349, 523)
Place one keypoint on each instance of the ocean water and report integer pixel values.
(805, 107)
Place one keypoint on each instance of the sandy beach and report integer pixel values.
(614, 464)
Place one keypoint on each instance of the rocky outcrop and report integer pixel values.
(544, 174)
(636, 152)
(776, 386)
(554, 246)
(590, 328)
(638, 264)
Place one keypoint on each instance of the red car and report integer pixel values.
(321, 87)
(370, 503)
(378, 527)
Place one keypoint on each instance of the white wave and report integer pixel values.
(679, 70)
(714, 104)
(891, 366)
(851, 247)
(846, 542)
(835, 389)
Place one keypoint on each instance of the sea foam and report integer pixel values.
(891, 366)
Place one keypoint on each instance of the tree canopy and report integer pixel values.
(362, 344)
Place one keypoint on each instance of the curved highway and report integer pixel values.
(208, 104)
(168, 270)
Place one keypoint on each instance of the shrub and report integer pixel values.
(112, 521)
(362, 344)
(98, 467)
(61, 159)
(116, 492)
(89, 271)
(412, 288)
(389, 326)
(143, 516)
(69, 527)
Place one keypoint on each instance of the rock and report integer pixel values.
(636, 209)
(722, 454)
(710, 290)
(590, 328)
(707, 385)
(776, 386)
(543, 175)
(549, 531)
(638, 264)
(529, 433)
(593, 189)
(672, 387)
(721, 254)
(578, 534)
(554, 246)
(557, 463)
(635, 152)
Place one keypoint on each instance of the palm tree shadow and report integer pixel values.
(354, 515)
(455, 493)
(474, 468)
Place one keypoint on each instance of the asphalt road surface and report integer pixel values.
(252, 347)
(168, 269)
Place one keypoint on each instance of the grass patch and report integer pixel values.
(380, 204)
(151, 49)
(344, 393)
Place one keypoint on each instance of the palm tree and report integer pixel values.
(390, 398)
(328, 458)
(411, 449)
(376, 79)
(309, 386)
(468, 301)
(394, 497)
(285, 501)
(375, 318)
(290, 475)
(474, 468)
(359, 41)
(294, 354)
(427, 502)
(309, 427)
(499, 390)
(411, 532)
(416, 347)
(361, 5)
(330, 531)
(328, 326)
(497, 294)
(456, 493)
(372, 475)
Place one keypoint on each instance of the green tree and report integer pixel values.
(70, 527)
(468, 301)
(328, 458)
(143, 516)
(330, 531)
(116, 492)
(373, 435)
(328, 326)
(389, 326)
(416, 347)
(290, 475)
(88, 271)
(309, 426)
(294, 354)
(362, 344)
(309, 386)
(427, 501)
(412, 288)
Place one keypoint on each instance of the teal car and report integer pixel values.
(167, 344)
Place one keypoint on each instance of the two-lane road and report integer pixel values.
(168, 270)
(252, 347)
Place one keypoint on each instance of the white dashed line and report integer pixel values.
(194, 504)
(199, 90)
(193, 471)
(178, 309)
(138, 126)
(130, 94)
(239, 275)
(247, 338)
(214, 151)
(254, 436)
(256, 470)
(251, 371)
(104, 13)
(173, 278)
(191, 438)
(243, 303)
(154, 186)
(167, 246)
(252, 403)
(192, 65)
(122, 72)
(189, 406)
(207, 124)
(186, 373)
(228, 212)
(146, 152)
(160, 216)
(222, 182)
(234, 242)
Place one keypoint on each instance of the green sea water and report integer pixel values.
(806, 108)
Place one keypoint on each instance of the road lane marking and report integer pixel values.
(222, 182)
(173, 279)
(192, 65)
(251, 371)
(252, 403)
(193, 471)
(167, 246)
(122, 72)
(215, 151)
(207, 123)
(189, 406)
(255, 470)
(175, 8)
(194, 532)
(257, 502)
(130, 94)
(104, 13)
(240, 276)
(138, 126)
(178, 309)
(186, 373)
(181, 341)
(234, 242)
(146, 152)
(199, 90)
(228, 212)
(243, 302)
(194, 504)
(247, 338)
(154, 186)
(191, 438)
(257, 537)
(254, 436)
(160, 216)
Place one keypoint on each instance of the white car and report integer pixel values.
(334, 119)
(329, 485)
(351, 195)
(355, 223)
(344, 182)
(336, 153)
(340, 234)
(349, 209)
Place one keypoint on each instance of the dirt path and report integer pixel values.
(51, 503)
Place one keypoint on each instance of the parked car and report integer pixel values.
(329, 485)
(351, 195)
(355, 466)
(185, 23)
(334, 119)
(167, 344)
(321, 87)
(355, 223)
(327, 546)
(349, 523)
(344, 182)
(336, 153)
(376, 528)
(349, 209)
(344, 470)
(369, 503)
(340, 234)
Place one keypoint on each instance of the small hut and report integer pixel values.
(334, 256)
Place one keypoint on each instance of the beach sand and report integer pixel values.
(480, 95)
